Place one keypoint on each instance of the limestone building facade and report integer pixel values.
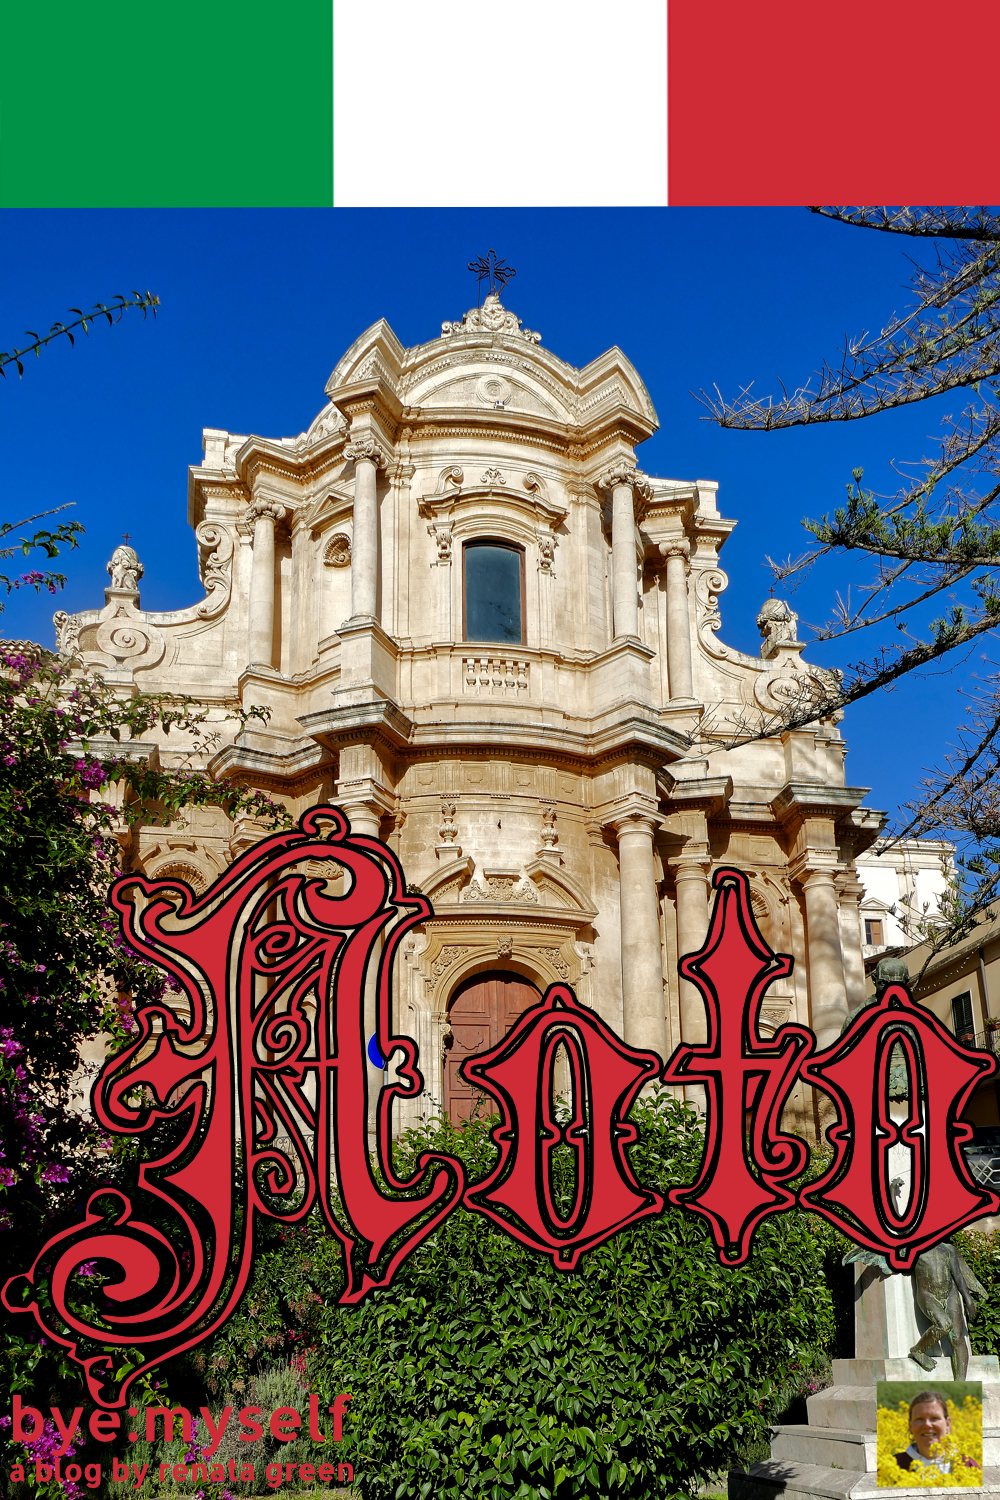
(495, 642)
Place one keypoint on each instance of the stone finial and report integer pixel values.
(777, 624)
(125, 569)
(492, 317)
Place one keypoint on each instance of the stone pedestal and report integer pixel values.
(834, 1453)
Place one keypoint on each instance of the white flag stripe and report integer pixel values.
(526, 103)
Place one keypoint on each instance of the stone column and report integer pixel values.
(678, 619)
(368, 458)
(827, 994)
(627, 486)
(264, 514)
(642, 969)
(691, 880)
(851, 892)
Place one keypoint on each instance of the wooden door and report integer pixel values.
(482, 1011)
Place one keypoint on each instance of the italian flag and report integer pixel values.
(397, 103)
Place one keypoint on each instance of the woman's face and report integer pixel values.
(928, 1425)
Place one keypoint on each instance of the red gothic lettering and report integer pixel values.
(742, 1172)
(269, 1050)
(606, 1076)
(856, 1192)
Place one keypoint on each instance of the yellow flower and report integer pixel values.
(963, 1447)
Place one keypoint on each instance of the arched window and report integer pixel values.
(494, 593)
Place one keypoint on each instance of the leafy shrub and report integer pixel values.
(982, 1254)
(485, 1371)
(271, 1389)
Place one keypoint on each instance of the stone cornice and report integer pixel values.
(811, 862)
(809, 799)
(362, 723)
(625, 738)
(278, 766)
(711, 793)
(455, 497)
(616, 424)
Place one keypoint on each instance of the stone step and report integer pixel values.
(829, 1447)
(853, 1406)
(783, 1479)
(984, 1367)
(845, 1448)
(849, 1408)
(788, 1480)
(865, 1488)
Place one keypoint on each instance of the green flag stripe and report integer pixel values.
(190, 102)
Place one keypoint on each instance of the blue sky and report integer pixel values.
(258, 305)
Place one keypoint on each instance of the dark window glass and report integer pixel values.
(492, 593)
(961, 1013)
(873, 934)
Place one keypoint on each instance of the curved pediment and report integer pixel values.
(492, 388)
(375, 353)
(541, 885)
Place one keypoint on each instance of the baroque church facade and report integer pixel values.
(494, 641)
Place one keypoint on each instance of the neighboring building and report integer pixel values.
(903, 882)
(961, 985)
(495, 643)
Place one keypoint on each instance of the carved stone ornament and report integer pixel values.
(555, 958)
(337, 552)
(795, 686)
(546, 550)
(491, 318)
(623, 473)
(326, 424)
(677, 547)
(493, 390)
(441, 532)
(448, 832)
(550, 833)
(494, 476)
(777, 624)
(215, 558)
(67, 633)
(367, 448)
(125, 569)
(710, 584)
(505, 947)
(502, 887)
(127, 638)
(445, 959)
(179, 870)
(260, 509)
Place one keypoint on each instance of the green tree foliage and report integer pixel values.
(113, 311)
(933, 542)
(484, 1371)
(75, 773)
(982, 1254)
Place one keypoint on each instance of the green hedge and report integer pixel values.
(982, 1252)
(484, 1371)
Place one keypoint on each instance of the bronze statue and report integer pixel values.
(945, 1290)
